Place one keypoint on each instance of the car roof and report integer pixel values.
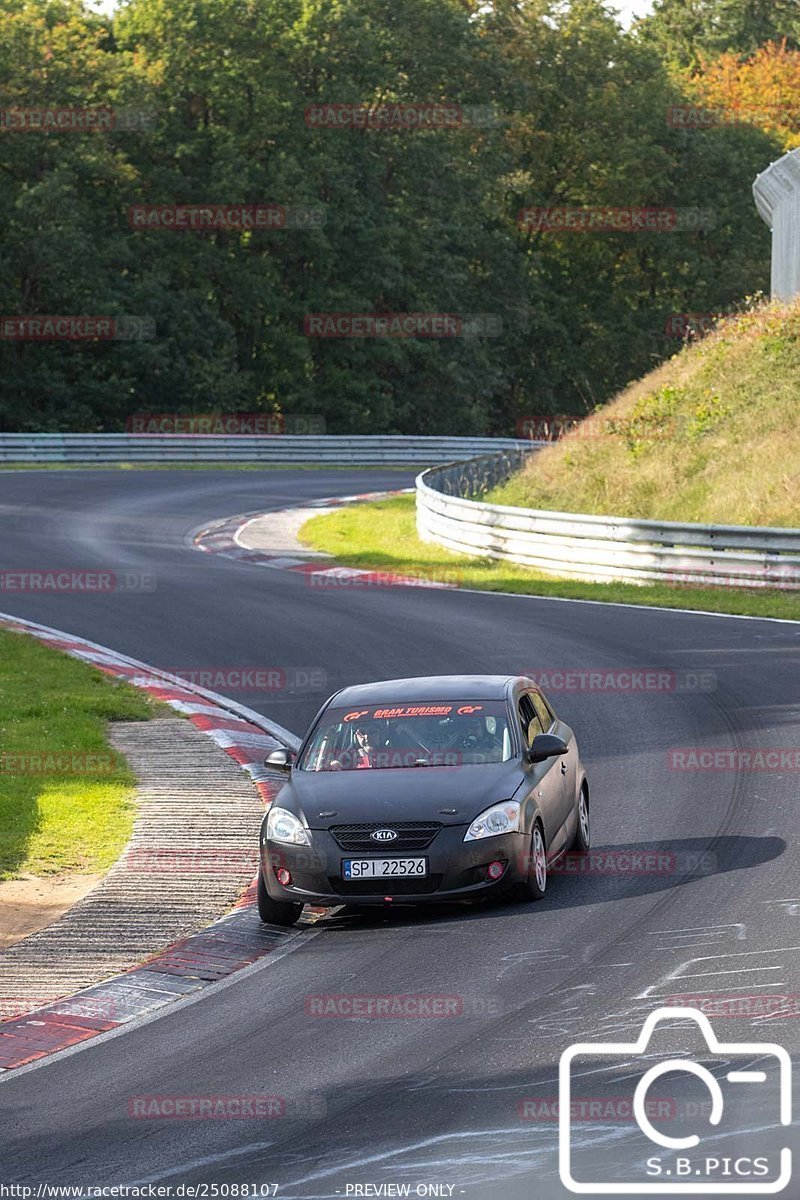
(427, 687)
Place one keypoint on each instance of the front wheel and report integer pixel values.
(275, 912)
(582, 841)
(535, 885)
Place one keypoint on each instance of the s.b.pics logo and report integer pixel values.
(721, 1133)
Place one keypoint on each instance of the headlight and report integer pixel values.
(283, 826)
(500, 818)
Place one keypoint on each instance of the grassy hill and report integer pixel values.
(713, 435)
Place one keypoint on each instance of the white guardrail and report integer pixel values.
(596, 548)
(206, 448)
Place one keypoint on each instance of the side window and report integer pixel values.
(528, 720)
(542, 711)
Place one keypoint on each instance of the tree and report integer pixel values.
(58, 196)
(686, 31)
(591, 130)
(763, 90)
(417, 220)
(408, 225)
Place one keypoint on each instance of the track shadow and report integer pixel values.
(608, 873)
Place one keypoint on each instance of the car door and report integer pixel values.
(545, 782)
(559, 773)
(569, 762)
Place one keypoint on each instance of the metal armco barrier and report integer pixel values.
(596, 548)
(280, 449)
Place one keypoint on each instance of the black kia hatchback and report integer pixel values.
(440, 788)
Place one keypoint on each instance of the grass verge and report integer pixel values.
(711, 436)
(52, 819)
(382, 536)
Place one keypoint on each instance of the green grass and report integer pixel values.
(62, 821)
(711, 436)
(382, 536)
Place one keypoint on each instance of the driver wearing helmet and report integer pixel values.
(362, 752)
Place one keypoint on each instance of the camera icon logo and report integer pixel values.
(675, 1169)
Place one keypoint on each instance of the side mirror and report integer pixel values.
(280, 760)
(546, 745)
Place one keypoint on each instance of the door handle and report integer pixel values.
(563, 768)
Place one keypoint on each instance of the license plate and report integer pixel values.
(383, 868)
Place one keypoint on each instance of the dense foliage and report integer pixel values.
(559, 107)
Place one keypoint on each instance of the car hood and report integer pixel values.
(399, 794)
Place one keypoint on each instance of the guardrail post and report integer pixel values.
(777, 196)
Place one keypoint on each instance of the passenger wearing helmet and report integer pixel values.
(476, 740)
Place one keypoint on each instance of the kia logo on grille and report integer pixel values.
(383, 835)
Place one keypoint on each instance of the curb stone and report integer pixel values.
(274, 544)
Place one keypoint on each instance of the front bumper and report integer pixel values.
(456, 870)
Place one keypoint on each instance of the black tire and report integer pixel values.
(275, 912)
(535, 886)
(582, 840)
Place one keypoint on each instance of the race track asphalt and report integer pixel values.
(420, 1100)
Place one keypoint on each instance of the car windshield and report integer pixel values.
(429, 734)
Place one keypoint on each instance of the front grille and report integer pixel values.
(412, 835)
(420, 885)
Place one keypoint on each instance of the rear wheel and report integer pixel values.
(582, 840)
(275, 912)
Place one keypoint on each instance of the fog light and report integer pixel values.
(284, 876)
(495, 870)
